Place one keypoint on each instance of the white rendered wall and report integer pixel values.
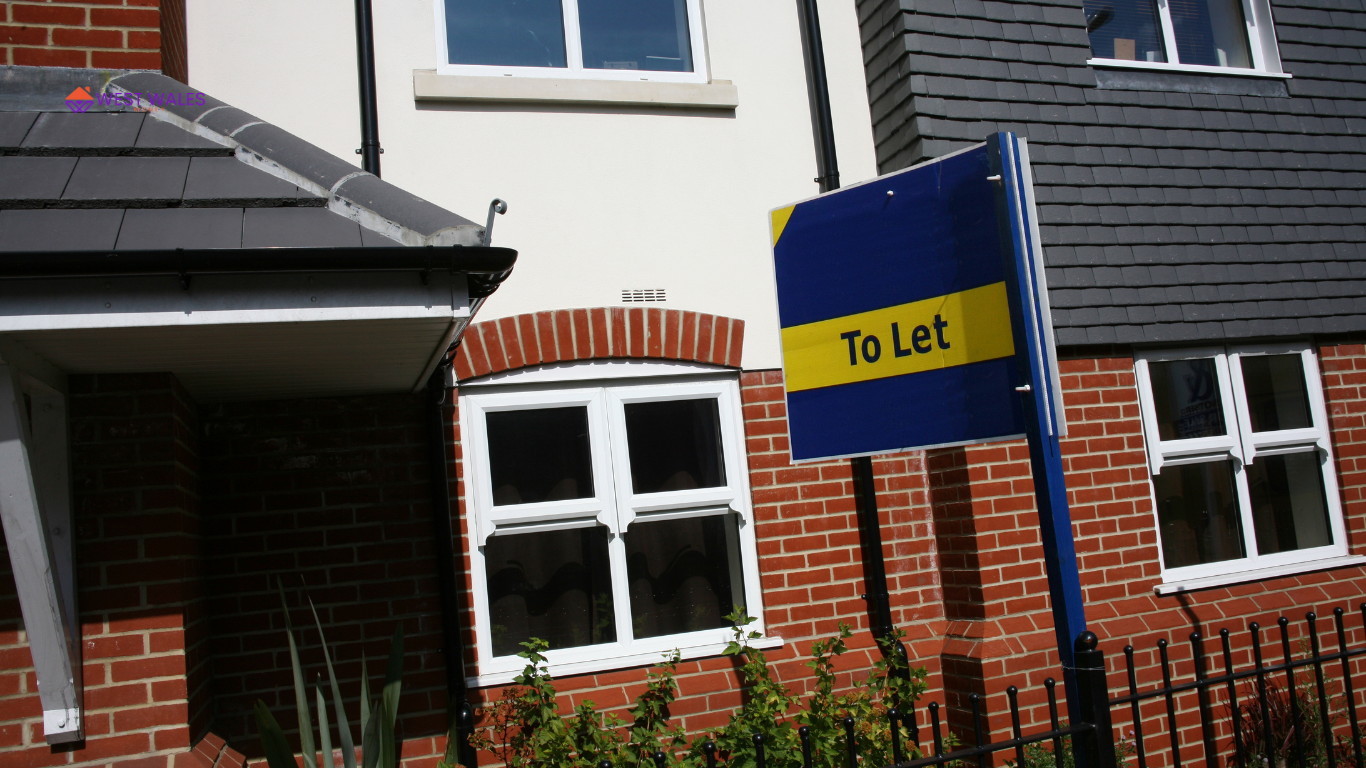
(600, 198)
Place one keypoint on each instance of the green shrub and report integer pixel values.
(524, 728)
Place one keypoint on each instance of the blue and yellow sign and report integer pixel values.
(896, 330)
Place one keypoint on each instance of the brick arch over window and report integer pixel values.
(593, 334)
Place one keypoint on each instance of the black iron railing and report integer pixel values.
(1259, 709)
(1310, 723)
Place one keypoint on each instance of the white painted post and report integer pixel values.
(44, 578)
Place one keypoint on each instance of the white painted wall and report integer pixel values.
(600, 199)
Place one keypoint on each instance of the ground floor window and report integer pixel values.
(1242, 472)
(611, 519)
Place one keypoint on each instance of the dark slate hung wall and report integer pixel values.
(1173, 209)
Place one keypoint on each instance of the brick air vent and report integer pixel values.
(633, 295)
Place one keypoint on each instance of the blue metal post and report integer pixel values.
(1036, 391)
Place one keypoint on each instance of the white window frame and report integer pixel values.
(573, 47)
(614, 506)
(1261, 37)
(1242, 446)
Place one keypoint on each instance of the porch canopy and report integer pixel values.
(148, 227)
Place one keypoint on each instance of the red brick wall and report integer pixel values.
(1001, 629)
(330, 495)
(134, 449)
(100, 34)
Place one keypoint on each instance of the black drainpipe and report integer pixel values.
(460, 714)
(365, 65)
(870, 529)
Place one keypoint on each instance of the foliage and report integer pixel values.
(1040, 754)
(1282, 747)
(768, 708)
(525, 729)
(379, 747)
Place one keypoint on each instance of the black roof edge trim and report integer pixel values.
(486, 266)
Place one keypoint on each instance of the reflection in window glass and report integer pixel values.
(1210, 32)
(1197, 514)
(684, 575)
(510, 33)
(1186, 399)
(635, 34)
(555, 585)
(539, 455)
(674, 445)
(1289, 510)
(1276, 394)
(1125, 29)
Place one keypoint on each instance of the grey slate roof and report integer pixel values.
(1173, 208)
(207, 176)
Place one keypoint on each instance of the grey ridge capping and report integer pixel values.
(1174, 209)
(375, 205)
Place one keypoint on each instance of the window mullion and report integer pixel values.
(1168, 32)
(573, 41)
(616, 548)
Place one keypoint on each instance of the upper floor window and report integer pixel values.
(1192, 35)
(604, 39)
(611, 520)
(1242, 470)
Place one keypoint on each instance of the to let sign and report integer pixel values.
(893, 299)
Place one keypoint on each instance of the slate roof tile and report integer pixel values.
(59, 230)
(134, 179)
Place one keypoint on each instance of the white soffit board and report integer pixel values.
(220, 363)
(104, 302)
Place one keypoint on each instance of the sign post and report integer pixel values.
(914, 315)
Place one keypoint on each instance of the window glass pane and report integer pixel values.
(555, 585)
(539, 455)
(1186, 399)
(674, 445)
(1276, 394)
(684, 574)
(1289, 511)
(635, 34)
(1197, 514)
(510, 33)
(1125, 29)
(1210, 32)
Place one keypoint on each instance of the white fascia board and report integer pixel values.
(221, 299)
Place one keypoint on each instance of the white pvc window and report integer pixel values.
(1215, 36)
(1242, 473)
(612, 521)
(658, 40)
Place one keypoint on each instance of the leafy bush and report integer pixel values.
(525, 728)
(1281, 750)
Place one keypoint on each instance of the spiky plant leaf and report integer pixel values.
(393, 684)
(324, 732)
(364, 700)
(343, 727)
(300, 689)
(370, 747)
(273, 741)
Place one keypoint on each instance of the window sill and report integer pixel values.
(1194, 69)
(568, 669)
(1260, 574)
(428, 85)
